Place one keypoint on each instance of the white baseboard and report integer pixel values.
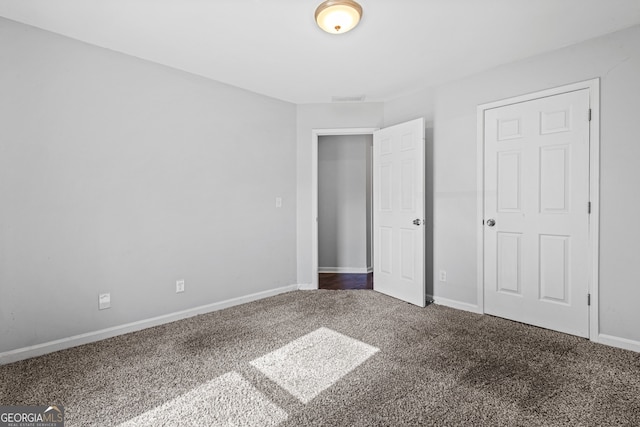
(457, 304)
(624, 343)
(89, 337)
(307, 287)
(344, 270)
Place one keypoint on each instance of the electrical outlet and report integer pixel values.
(443, 276)
(179, 286)
(104, 301)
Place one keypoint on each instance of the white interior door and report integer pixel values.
(536, 226)
(398, 213)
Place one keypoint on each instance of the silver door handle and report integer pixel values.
(416, 222)
(491, 222)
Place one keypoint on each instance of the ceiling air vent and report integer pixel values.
(357, 98)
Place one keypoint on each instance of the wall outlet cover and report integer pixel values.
(104, 301)
(443, 276)
(179, 286)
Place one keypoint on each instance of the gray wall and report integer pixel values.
(616, 60)
(118, 175)
(343, 210)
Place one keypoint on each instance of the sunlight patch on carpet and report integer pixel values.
(312, 363)
(228, 400)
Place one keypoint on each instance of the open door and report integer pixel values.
(398, 212)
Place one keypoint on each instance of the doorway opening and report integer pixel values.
(345, 211)
(339, 280)
(398, 223)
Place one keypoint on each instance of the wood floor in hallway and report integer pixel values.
(336, 281)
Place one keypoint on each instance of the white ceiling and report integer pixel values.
(273, 47)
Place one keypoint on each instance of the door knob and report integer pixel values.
(416, 222)
(491, 222)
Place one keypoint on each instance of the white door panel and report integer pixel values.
(537, 189)
(398, 183)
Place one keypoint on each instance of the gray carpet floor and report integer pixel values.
(434, 366)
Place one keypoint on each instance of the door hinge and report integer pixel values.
(588, 299)
(589, 114)
(588, 207)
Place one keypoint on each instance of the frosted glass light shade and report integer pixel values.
(338, 16)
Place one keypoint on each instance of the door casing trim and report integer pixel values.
(593, 86)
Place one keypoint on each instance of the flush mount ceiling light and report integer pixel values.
(338, 16)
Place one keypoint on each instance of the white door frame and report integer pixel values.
(594, 189)
(315, 134)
